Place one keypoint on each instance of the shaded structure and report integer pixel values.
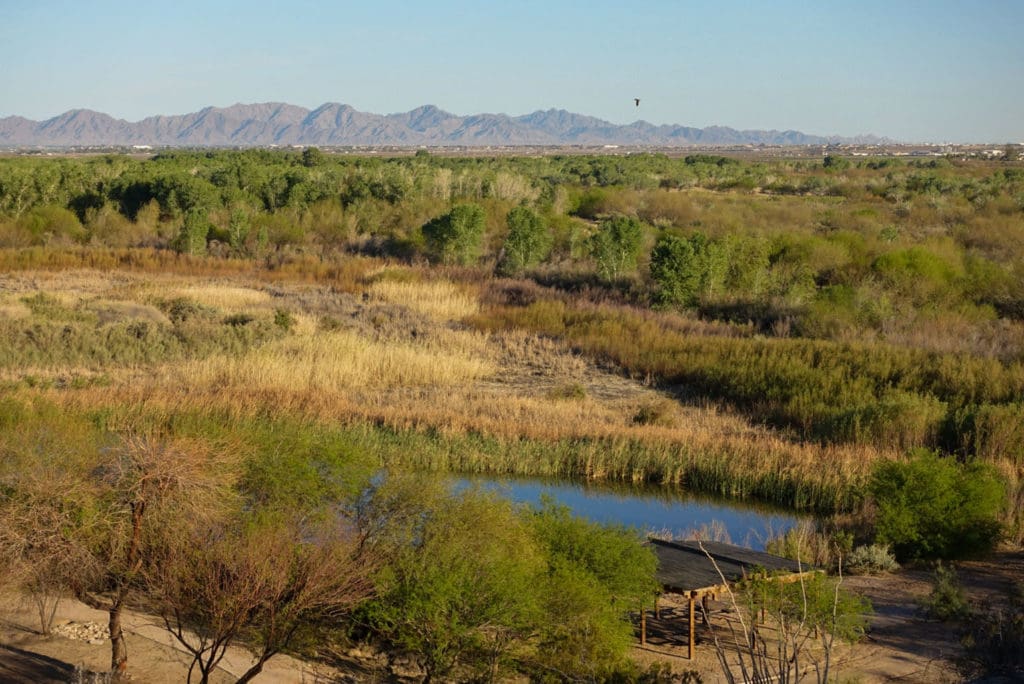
(684, 567)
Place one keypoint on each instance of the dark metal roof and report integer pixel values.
(683, 566)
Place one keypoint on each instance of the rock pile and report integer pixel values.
(93, 632)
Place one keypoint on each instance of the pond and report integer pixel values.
(663, 510)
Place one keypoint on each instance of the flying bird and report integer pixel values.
(637, 100)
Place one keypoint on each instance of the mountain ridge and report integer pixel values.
(279, 123)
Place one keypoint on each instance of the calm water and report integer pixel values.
(655, 508)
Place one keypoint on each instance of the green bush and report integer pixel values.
(472, 583)
(946, 601)
(674, 271)
(192, 238)
(456, 237)
(871, 560)
(616, 245)
(933, 507)
(528, 242)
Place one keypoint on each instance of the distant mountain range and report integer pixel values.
(274, 123)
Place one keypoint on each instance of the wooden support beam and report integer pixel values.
(689, 653)
(643, 626)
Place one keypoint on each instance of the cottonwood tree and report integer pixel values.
(456, 237)
(616, 246)
(528, 242)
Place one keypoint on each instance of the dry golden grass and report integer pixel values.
(13, 309)
(223, 297)
(453, 382)
(438, 299)
(332, 362)
(345, 273)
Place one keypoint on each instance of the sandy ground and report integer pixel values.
(26, 656)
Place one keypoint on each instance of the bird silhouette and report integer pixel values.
(637, 100)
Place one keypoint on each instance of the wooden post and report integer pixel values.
(689, 653)
(643, 626)
(657, 609)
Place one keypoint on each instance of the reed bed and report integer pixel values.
(854, 393)
(450, 400)
(437, 299)
(333, 362)
(436, 431)
(224, 297)
(343, 272)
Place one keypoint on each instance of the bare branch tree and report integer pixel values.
(219, 584)
(815, 614)
(84, 521)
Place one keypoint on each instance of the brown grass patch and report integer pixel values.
(437, 299)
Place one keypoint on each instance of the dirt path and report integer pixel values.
(26, 656)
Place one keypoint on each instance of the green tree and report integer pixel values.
(456, 237)
(675, 271)
(835, 163)
(748, 264)
(312, 156)
(933, 507)
(239, 227)
(616, 246)
(460, 586)
(528, 242)
(597, 574)
(192, 237)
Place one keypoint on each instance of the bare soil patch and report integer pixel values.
(903, 644)
(29, 657)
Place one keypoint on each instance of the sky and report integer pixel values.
(914, 71)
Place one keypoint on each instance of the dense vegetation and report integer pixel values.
(275, 533)
(806, 325)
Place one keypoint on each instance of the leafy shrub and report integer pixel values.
(455, 238)
(182, 309)
(574, 392)
(871, 559)
(616, 245)
(933, 507)
(946, 601)
(675, 271)
(528, 242)
(653, 413)
(284, 318)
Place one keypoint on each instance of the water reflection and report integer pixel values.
(664, 510)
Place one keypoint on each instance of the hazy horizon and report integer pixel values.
(912, 72)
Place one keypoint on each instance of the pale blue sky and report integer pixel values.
(914, 71)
